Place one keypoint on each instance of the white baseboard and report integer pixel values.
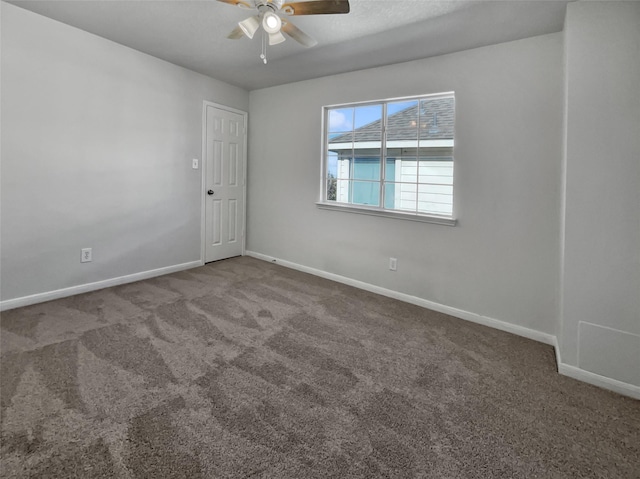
(614, 385)
(85, 288)
(407, 298)
(564, 369)
(604, 382)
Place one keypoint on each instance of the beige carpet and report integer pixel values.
(242, 369)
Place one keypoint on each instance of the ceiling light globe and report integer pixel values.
(249, 26)
(271, 23)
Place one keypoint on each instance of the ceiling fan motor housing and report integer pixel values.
(266, 5)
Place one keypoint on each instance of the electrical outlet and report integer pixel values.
(194, 163)
(86, 256)
(393, 264)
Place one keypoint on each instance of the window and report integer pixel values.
(392, 156)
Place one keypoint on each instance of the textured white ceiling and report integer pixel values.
(192, 33)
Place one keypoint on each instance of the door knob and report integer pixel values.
(210, 192)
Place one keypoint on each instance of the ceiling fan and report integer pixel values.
(273, 23)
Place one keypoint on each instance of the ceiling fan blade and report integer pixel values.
(236, 33)
(318, 7)
(240, 3)
(297, 34)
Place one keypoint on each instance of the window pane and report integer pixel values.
(390, 170)
(400, 153)
(340, 140)
(428, 151)
(332, 164)
(366, 193)
(369, 117)
(332, 188)
(342, 191)
(400, 196)
(366, 168)
(344, 167)
(407, 169)
(435, 199)
(374, 150)
(405, 138)
(390, 195)
(341, 119)
(366, 139)
(436, 172)
(403, 114)
(437, 118)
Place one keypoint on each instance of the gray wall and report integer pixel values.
(97, 142)
(501, 260)
(601, 251)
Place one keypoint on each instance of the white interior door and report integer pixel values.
(225, 162)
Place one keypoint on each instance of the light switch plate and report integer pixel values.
(194, 163)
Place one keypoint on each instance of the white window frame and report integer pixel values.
(323, 203)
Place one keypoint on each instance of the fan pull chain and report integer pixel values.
(263, 55)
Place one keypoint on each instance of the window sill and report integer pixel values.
(363, 210)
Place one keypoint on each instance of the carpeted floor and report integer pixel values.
(245, 369)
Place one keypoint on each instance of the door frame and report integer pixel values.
(203, 174)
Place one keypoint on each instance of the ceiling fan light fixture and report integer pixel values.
(275, 38)
(274, 26)
(249, 26)
(271, 22)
